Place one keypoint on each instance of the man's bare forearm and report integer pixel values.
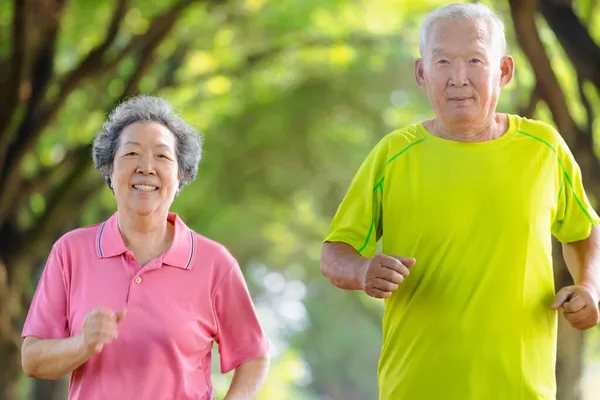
(248, 379)
(52, 358)
(343, 265)
(583, 260)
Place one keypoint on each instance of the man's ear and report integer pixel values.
(419, 73)
(507, 68)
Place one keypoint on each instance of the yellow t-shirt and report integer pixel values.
(473, 319)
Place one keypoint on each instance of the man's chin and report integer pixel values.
(464, 116)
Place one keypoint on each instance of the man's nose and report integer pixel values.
(459, 75)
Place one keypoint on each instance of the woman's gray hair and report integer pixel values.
(146, 108)
(464, 11)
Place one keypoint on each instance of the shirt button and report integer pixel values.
(138, 280)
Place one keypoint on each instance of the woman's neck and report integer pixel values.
(147, 236)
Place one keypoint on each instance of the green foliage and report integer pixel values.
(290, 95)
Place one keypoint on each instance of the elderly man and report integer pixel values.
(465, 204)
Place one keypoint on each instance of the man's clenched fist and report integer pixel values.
(385, 273)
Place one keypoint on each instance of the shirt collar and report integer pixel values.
(109, 242)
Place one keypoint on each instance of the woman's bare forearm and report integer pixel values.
(248, 379)
(52, 358)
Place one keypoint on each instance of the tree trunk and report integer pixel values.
(50, 390)
(10, 371)
(9, 344)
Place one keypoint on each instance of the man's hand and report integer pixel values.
(579, 304)
(100, 328)
(385, 273)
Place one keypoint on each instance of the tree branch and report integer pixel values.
(534, 99)
(574, 38)
(257, 57)
(32, 126)
(66, 212)
(13, 79)
(523, 12)
(144, 62)
(172, 66)
(42, 72)
(528, 37)
(589, 112)
(59, 207)
(46, 178)
(93, 61)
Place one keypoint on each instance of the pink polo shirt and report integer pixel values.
(177, 305)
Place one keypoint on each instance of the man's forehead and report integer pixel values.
(472, 34)
(476, 47)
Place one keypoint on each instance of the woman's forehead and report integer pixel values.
(144, 133)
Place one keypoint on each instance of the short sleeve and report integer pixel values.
(47, 316)
(239, 334)
(358, 220)
(575, 216)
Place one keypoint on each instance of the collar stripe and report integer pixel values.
(100, 240)
(187, 266)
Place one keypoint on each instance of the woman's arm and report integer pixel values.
(55, 358)
(52, 358)
(248, 379)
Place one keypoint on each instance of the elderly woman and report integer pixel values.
(131, 307)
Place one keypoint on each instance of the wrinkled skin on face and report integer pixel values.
(462, 72)
(144, 173)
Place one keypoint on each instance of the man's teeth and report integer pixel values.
(144, 188)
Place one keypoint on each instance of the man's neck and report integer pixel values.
(495, 128)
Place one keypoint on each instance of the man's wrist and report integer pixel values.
(362, 273)
(593, 288)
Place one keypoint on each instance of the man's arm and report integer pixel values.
(379, 276)
(580, 301)
(248, 379)
(344, 266)
(583, 260)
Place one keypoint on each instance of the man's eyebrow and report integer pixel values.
(437, 51)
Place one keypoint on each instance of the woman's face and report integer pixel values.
(144, 174)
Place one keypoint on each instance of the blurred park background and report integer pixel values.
(290, 95)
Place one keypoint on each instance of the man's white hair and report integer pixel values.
(465, 11)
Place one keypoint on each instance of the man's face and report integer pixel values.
(462, 71)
